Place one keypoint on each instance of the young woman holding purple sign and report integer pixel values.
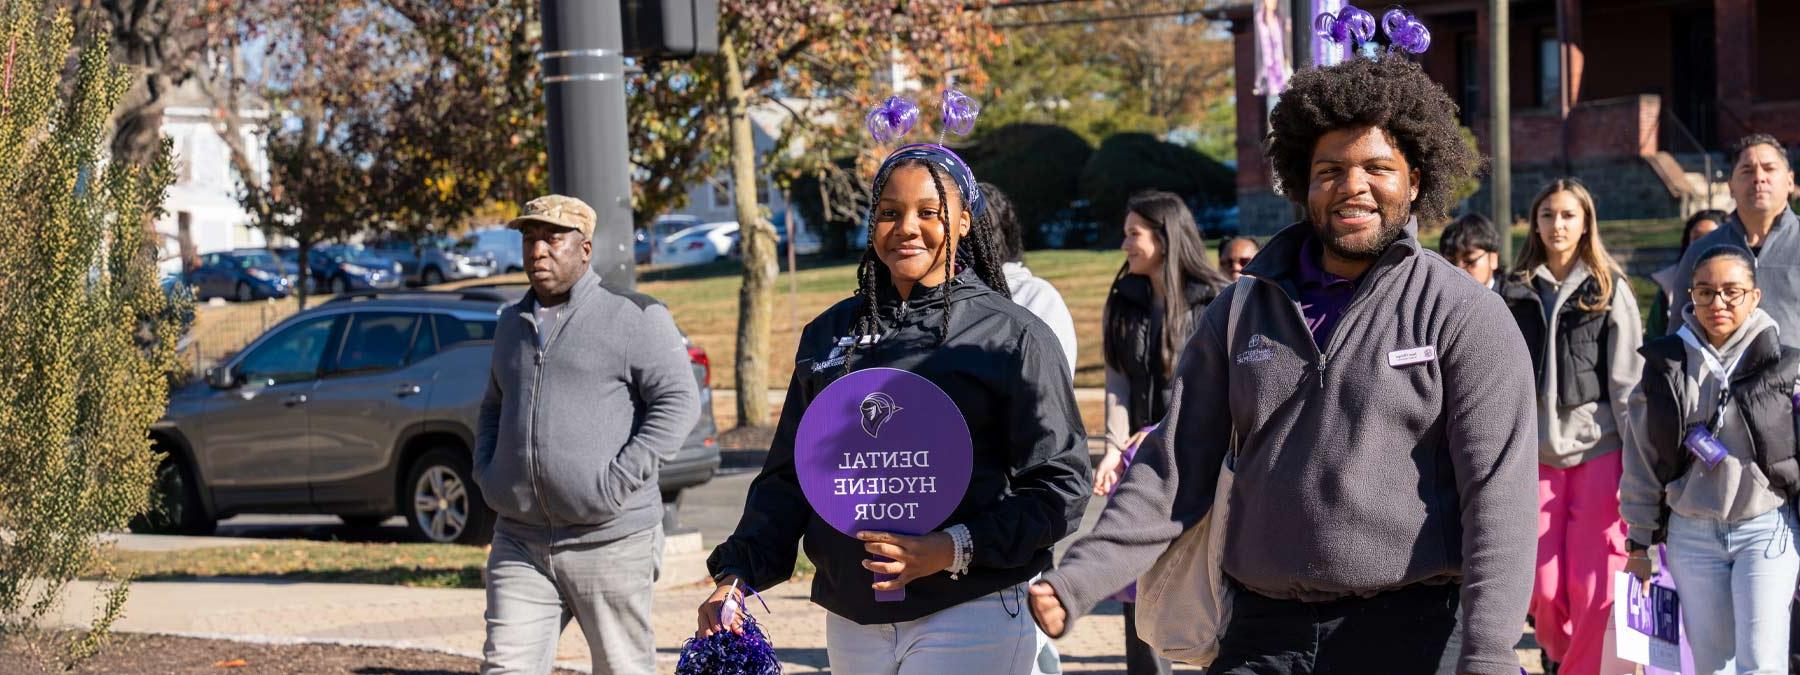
(931, 300)
(1713, 475)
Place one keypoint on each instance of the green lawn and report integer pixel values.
(419, 565)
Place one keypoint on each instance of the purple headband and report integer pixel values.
(1355, 28)
(946, 160)
(895, 117)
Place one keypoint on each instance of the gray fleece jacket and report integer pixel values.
(1361, 470)
(571, 433)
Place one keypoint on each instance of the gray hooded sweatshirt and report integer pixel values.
(1570, 435)
(1367, 466)
(1734, 491)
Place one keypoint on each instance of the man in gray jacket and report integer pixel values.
(1762, 183)
(1385, 469)
(589, 392)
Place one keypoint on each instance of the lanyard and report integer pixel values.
(1720, 372)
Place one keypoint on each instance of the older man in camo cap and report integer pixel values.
(589, 393)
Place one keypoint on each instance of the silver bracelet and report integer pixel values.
(965, 550)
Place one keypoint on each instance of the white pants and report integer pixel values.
(990, 635)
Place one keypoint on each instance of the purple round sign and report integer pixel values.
(883, 449)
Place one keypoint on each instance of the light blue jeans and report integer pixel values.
(989, 635)
(1737, 585)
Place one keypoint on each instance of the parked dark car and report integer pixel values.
(242, 275)
(434, 260)
(1073, 226)
(502, 245)
(345, 268)
(363, 407)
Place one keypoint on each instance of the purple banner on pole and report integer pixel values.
(886, 450)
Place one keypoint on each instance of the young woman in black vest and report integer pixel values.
(1580, 322)
(1154, 304)
(1726, 521)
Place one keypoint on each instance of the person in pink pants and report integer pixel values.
(1580, 321)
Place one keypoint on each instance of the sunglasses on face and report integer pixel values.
(1240, 262)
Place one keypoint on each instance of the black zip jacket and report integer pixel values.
(1006, 372)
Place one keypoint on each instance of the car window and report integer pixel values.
(256, 260)
(375, 342)
(451, 330)
(424, 344)
(291, 355)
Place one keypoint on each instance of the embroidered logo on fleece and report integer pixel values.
(1258, 350)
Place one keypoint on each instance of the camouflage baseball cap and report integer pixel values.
(558, 210)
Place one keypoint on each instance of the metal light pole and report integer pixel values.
(1500, 123)
(584, 104)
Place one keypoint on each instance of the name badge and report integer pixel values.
(1407, 357)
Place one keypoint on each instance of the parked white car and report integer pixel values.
(697, 245)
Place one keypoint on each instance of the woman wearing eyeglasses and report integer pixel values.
(1713, 476)
(1235, 254)
(1580, 322)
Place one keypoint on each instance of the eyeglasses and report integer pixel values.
(1240, 262)
(1732, 295)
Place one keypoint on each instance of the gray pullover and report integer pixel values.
(1361, 470)
(1734, 491)
(571, 433)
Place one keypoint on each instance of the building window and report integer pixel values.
(722, 193)
(762, 190)
(1468, 64)
(1549, 69)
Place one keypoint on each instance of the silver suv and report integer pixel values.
(363, 407)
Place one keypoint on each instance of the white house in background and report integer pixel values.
(711, 200)
(202, 203)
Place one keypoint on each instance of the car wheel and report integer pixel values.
(362, 522)
(244, 292)
(340, 285)
(431, 277)
(175, 506)
(514, 269)
(442, 503)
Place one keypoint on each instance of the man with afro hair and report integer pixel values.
(1382, 406)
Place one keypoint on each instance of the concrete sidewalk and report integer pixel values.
(451, 620)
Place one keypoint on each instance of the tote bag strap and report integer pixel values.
(1239, 294)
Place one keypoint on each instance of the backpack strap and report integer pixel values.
(1239, 293)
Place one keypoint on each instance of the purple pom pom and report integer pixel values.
(1405, 32)
(1360, 24)
(960, 112)
(891, 120)
(727, 653)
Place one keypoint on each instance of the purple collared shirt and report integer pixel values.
(1323, 295)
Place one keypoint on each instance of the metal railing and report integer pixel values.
(1673, 129)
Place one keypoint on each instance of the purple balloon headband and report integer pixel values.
(895, 117)
(1355, 29)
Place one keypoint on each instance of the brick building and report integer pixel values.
(1631, 96)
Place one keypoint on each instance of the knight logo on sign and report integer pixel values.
(877, 409)
(860, 470)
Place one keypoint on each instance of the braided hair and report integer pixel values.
(978, 251)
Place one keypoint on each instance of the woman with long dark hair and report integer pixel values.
(1155, 302)
(931, 299)
(1580, 321)
(1700, 224)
